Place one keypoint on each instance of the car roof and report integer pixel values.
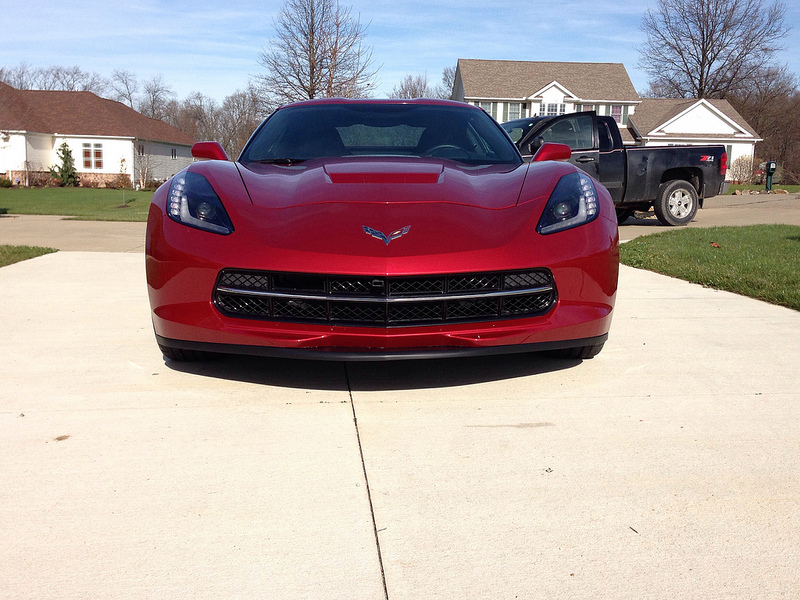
(380, 101)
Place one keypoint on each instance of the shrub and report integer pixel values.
(5, 183)
(66, 174)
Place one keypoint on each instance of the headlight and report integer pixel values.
(572, 203)
(193, 202)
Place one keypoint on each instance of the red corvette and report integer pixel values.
(374, 230)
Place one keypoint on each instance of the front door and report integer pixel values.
(576, 130)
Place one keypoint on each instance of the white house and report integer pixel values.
(107, 139)
(675, 121)
(509, 90)
(513, 89)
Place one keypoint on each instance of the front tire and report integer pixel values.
(583, 352)
(676, 203)
(181, 355)
(623, 214)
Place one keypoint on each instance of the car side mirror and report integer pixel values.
(532, 146)
(552, 151)
(209, 150)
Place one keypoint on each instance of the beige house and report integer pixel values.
(509, 89)
(107, 139)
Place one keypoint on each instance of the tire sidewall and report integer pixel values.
(661, 205)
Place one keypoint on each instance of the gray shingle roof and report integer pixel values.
(520, 79)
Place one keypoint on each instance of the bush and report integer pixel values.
(5, 183)
(121, 181)
(66, 173)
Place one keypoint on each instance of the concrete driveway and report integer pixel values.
(666, 467)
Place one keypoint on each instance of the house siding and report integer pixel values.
(153, 161)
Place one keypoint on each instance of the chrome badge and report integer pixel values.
(386, 238)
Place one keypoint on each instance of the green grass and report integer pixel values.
(82, 203)
(759, 261)
(13, 254)
(792, 189)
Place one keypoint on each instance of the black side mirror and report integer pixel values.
(533, 146)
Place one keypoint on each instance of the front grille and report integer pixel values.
(382, 301)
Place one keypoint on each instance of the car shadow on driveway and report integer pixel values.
(374, 376)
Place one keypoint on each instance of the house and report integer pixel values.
(678, 121)
(510, 90)
(107, 139)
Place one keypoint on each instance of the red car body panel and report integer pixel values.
(310, 218)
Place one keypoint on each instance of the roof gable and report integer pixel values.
(522, 79)
(80, 113)
(681, 117)
(553, 85)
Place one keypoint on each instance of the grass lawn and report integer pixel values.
(759, 261)
(82, 203)
(792, 189)
(13, 254)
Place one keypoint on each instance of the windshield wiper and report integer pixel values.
(279, 161)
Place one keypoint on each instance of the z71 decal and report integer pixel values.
(706, 158)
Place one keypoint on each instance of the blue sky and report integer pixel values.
(213, 47)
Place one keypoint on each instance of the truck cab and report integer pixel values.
(673, 180)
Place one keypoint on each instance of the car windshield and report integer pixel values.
(304, 132)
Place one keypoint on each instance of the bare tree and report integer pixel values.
(318, 52)
(445, 89)
(123, 86)
(770, 103)
(742, 169)
(240, 114)
(156, 95)
(74, 79)
(711, 48)
(20, 77)
(413, 86)
(70, 79)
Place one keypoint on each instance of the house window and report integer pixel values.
(87, 156)
(98, 156)
(514, 110)
(556, 109)
(174, 154)
(489, 107)
(140, 149)
(616, 112)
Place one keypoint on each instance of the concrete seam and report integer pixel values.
(366, 483)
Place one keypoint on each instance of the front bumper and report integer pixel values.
(184, 266)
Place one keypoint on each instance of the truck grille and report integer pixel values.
(382, 301)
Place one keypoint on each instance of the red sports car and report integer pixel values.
(381, 229)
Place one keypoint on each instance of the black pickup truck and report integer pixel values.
(674, 180)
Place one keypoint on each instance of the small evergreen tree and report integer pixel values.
(66, 173)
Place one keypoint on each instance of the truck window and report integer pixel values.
(574, 131)
(605, 141)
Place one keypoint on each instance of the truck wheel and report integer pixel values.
(676, 203)
(623, 214)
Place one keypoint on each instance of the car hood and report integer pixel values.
(383, 181)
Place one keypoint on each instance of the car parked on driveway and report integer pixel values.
(375, 230)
